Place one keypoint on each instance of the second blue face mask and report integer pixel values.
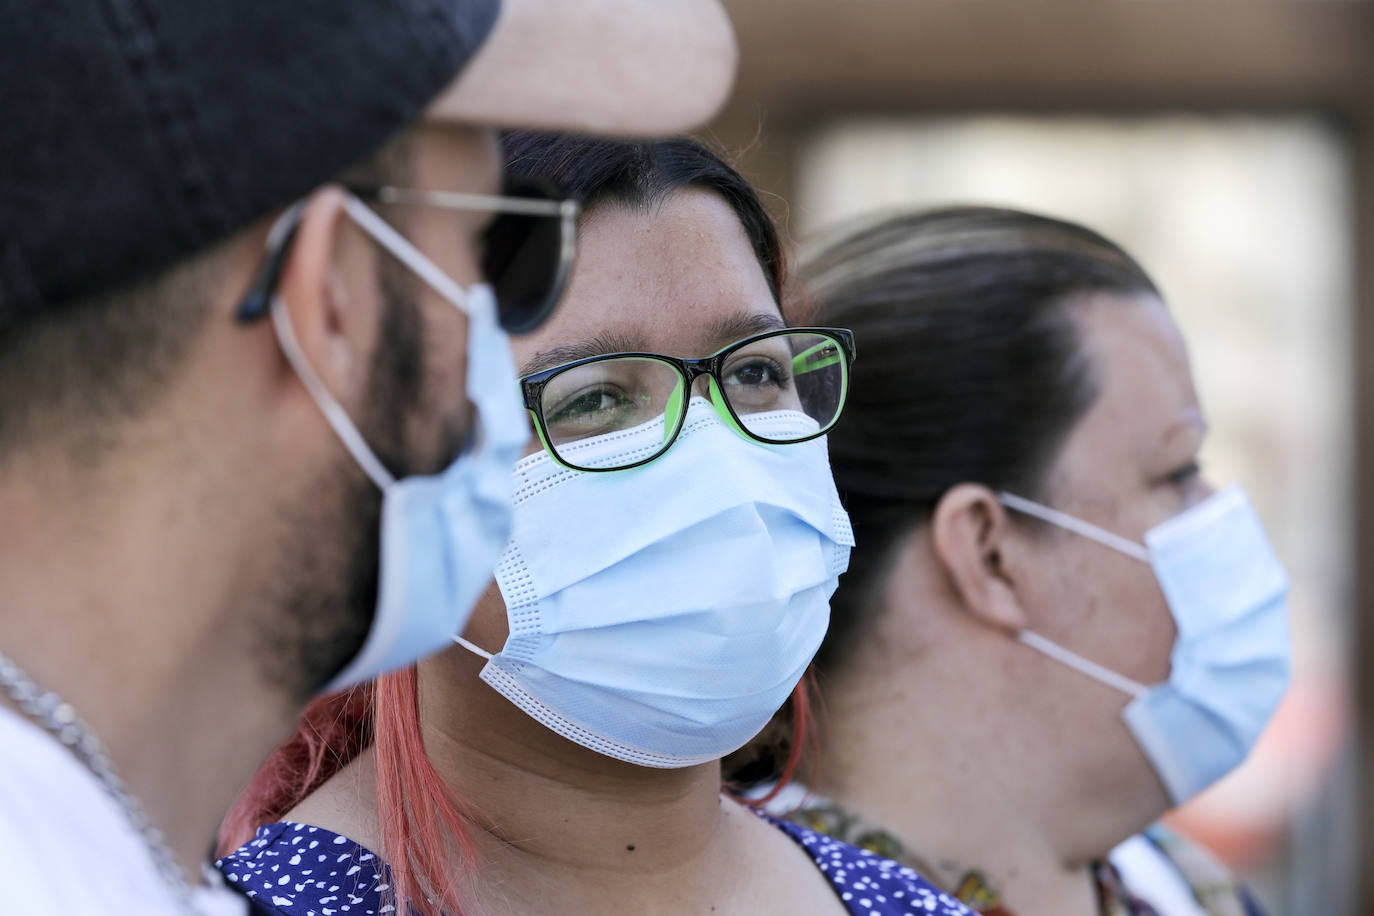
(1232, 658)
(440, 533)
(661, 615)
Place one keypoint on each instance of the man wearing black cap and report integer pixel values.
(257, 412)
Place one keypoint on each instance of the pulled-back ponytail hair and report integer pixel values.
(970, 368)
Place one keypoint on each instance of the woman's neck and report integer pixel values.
(513, 772)
(559, 828)
(610, 816)
(961, 794)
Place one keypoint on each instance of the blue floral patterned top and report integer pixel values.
(298, 870)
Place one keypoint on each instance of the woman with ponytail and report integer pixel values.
(1047, 579)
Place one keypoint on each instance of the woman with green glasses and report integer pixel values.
(676, 540)
(804, 371)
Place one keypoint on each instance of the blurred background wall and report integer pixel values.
(1230, 145)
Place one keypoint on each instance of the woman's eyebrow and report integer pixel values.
(1192, 421)
(722, 332)
(583, 349)
(736, 327)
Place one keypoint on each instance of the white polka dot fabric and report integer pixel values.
(868, 884)
(298, 870)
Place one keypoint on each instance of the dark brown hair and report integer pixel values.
(642, 174)
(969, 367)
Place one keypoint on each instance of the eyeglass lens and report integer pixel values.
(525, 258)
(799, 373)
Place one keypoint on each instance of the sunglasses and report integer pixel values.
(527, 249)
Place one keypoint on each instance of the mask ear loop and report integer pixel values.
(1082, 665)
(398, 247)
(1076, 525)
(262, 298)
(333, 412)
(471, 648)
(402, 250)
(1088, 530)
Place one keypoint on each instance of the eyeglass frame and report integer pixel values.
(256, 302)
(532, 389)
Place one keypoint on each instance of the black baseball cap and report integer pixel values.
(136, 132)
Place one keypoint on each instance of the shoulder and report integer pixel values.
(290, 868)
(57, 820)
(1177, 875)
(867, 883)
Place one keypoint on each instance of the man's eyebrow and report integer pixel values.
(600, 345)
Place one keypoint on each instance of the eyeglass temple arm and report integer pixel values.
(566, 208)
(257, 301)
(826, 353)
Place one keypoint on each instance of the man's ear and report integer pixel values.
(969, 531)
(330, 292)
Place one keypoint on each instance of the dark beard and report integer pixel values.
(324, 590)
(326, 581)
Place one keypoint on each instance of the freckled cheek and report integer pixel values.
(1079, 595)
(1111, 610)
(1161, 636)
(1141, 634)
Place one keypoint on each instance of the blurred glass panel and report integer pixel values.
(1245, 224)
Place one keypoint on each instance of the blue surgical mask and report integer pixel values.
(1232, 657)
(440, 534)
(661, 615)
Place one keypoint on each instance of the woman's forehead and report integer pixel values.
(1137, 352)
(680, 279)
(1146, 407)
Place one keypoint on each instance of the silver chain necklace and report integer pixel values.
(58, 717)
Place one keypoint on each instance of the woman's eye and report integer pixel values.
(589, 406)
(1185, 475)
(758, 373)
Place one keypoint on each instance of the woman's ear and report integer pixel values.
(968, 532)
(329, 289)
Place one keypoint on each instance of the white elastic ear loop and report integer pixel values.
(1082, 665)
(401, 248)
(1076, 525)
(471, 648)
(334, 414)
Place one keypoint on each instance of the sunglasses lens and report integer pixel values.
(527, 258)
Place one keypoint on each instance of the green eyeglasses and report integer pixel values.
(798, 371)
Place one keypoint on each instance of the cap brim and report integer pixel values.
(611, 67)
